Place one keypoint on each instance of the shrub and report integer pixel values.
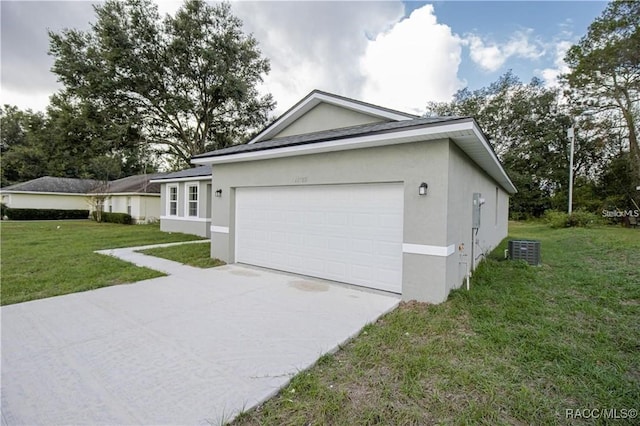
(45, 214)
(122, 218)
(579, 218)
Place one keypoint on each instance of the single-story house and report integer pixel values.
(349, 191)
(185, 203)
(49, 193)
(135, 195)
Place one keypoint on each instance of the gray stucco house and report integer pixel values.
(185, 201)
(352, 192)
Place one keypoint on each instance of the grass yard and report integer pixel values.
(44, 259)
(198, 255)
(522, 347)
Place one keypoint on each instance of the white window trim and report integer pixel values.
(187, 187)
(169, 200)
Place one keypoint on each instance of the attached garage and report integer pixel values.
(347, 233)
(348, 191)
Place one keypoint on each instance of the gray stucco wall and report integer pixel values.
(199, 225)
(425, 217)
(466, 178)
(324, 117)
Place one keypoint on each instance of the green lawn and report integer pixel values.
(198, 255)
(44, 259)
(522, 347)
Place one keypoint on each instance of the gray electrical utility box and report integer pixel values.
(475, 215)
(526, 250)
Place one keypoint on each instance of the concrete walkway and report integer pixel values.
(195, 347)
(169, 267)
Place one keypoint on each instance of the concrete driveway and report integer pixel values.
(195, 347)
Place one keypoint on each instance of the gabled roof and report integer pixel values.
(139, 184)
(328, 135)
(463, 131)
(316, 97)
(193, 173)
(54, 184)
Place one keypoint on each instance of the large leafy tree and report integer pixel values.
(188, 81)
(69, 140)
(526, 124)
(21, 142)
(605, 71)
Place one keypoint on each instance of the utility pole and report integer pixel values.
(571, 135)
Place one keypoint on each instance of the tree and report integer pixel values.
(526, 124)
(605, 70)
(21, 145)
(188, 80)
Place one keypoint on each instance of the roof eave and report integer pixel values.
(466, 134)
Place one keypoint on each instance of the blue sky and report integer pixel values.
(392, 53)
(549, 21)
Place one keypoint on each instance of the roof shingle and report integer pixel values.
(329, 135)
(55, 184)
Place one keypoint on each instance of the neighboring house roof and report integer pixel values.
(316, 97)
(54, 184)
(139, 184)
(192, 173)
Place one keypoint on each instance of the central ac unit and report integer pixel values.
(526, 250)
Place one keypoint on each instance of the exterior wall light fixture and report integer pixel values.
(219, 193)
(422, 189)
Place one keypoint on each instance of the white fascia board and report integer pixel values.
(314, 100)
(367, 141)
(511, 188)
(184, 179)
(128, 194)
(366, 109)
(445, 131)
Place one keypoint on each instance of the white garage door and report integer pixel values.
(347, 233)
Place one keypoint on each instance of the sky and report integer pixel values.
(396, 54)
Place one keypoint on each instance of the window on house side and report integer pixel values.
(193, 200)
(173, 200)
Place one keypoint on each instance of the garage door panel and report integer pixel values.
(350, 233)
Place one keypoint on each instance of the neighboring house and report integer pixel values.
(49, 193)
(352, 192)
(136, 195)
(186, 201)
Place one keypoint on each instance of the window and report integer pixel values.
(173, 201)
(129, 206)
(110, 206)
(192, 200)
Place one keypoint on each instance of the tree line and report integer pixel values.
(143, 91)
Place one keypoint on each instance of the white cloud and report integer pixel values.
(414, 62)
(365, 50)
(491, 55)
(550, 75)
(315, 45)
